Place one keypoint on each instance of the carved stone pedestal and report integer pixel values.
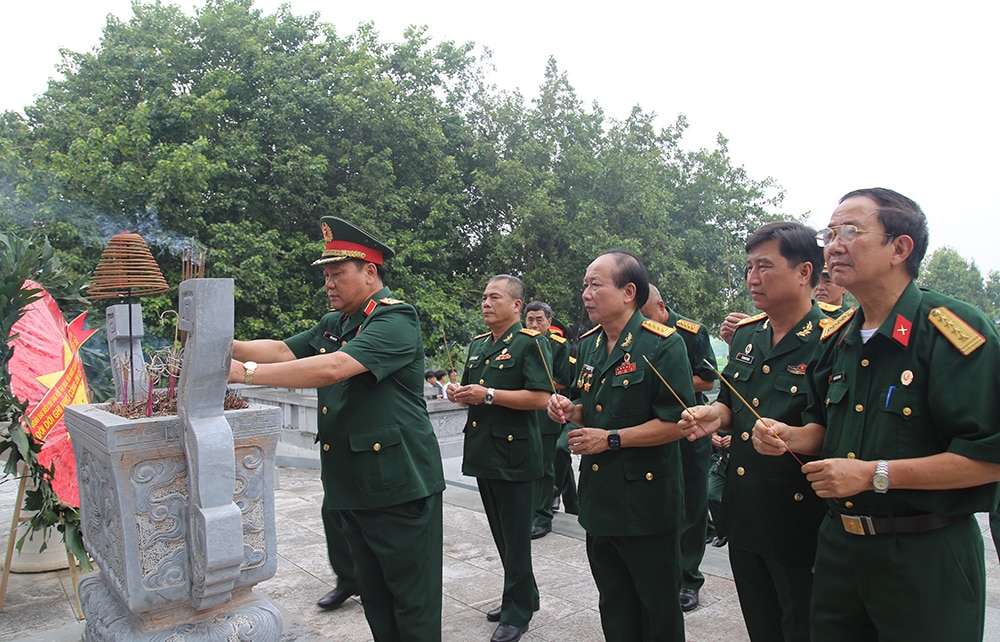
(178, 511)
(134, 497)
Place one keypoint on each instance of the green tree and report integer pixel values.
(949, 273)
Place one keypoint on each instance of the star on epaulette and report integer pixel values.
(657, 328)
(959, 333)
(591, 331)
(690, 326)
(837, 324)
(480, 336)
(829, 308)
(388, 301)
(754, 319)
(529, 332)
(558, 338)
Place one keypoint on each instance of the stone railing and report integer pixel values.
(297, 441)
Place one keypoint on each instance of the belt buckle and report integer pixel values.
(858, 524)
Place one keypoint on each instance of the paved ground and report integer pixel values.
(39, 606)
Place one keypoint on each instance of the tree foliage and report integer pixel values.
(239, 129)
(950, 273)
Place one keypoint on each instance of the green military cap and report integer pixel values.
(345, 241)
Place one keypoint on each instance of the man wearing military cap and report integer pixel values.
(381, 466)
(769, 512)
(828, 294)
(904, 416)
(504, 382)
(631, 495)
(695, 455)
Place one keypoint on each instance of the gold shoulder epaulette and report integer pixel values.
(557, 338)
(591, 331)
(828, 307)
(838, 323)
(529, 332)
(754, 319)
(388, 301)
(690, 326)
(961, 335)
(480, 336)
(657, 328)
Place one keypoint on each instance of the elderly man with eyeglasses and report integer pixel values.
(904, 418)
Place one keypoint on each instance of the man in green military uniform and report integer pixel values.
(504, 382)
(905, 418)
(769, 512)
(828, 294)
(381, 465)
(631, 495)
(695, 455)
(538, 317)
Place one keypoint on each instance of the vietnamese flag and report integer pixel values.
(46, 371)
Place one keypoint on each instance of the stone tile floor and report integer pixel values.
(39, 606)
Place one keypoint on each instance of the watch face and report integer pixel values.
(614, 441)
(880, 482)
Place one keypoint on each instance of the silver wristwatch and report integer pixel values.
(489, 396)
(880, 480)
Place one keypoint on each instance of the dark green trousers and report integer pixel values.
(397, 554)
(338, 550)
(543, 489)
(509, 507)
(774, 597)
(899, 588)
(716, 484)
(638, 578)
(696, 456)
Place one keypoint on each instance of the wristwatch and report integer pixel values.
(491, 393)
(614, 439)
(880, 480)
(249, 367)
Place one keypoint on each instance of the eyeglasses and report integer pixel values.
(846, 233)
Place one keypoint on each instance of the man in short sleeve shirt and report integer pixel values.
(905, 418)
(380, 461)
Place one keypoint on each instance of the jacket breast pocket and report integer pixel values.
(380, 459)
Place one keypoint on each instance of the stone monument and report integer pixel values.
(178, 512)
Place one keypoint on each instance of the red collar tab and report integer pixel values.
(371, 306)
(901, 330)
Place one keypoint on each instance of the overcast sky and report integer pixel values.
(825, 98)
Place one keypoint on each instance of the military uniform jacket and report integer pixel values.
(632, 491)
(926, 382)
(699, 347)
(768, 505)
(500, 442)
(378, 448)
(562, 371)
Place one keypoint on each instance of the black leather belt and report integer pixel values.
(870, 525)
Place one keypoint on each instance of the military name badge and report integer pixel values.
(745, 358)
(906, 378)
(329, 336)
(626, 366)
(839, 376)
